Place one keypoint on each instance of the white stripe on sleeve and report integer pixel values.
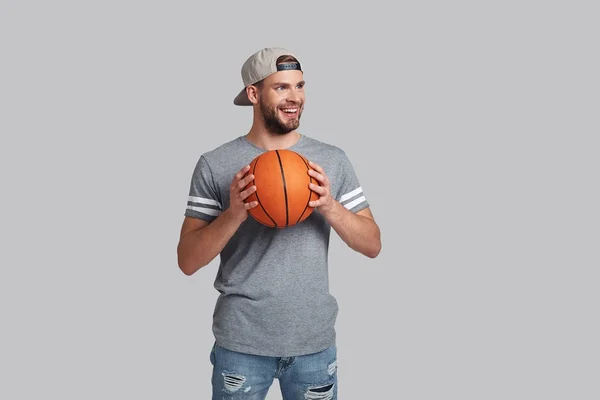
(351, 194)
(356, 202)
(203, 200)
(207, 211)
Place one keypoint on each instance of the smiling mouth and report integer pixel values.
(290, 112)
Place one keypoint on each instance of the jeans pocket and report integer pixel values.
(212, 354)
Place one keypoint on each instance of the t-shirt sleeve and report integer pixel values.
(203, 199)
(350, 193)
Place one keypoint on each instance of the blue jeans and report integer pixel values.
(249, 377)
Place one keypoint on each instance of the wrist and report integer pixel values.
(233, 218)
(332, 211)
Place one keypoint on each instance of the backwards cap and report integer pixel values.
(260, 65)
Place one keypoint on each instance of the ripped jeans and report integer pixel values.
(249, 377)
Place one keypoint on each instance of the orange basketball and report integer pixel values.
(281, 179)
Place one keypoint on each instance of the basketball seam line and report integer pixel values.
(287, 220)
(309, 192)
(254, 183)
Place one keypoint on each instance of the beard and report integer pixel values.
(276, 125)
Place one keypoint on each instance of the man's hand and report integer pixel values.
(325, 202)
(358, 230)
(200, 242)
(238, 208)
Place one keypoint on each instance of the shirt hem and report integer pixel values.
(289, 353)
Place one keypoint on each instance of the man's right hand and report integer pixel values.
(200, 241)
(238, 207)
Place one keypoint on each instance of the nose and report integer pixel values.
(294, 96)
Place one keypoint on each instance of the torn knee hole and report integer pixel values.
(320, 393)
(233, 382)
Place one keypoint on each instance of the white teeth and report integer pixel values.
(290, 110)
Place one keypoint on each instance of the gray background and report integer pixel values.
(473, 129)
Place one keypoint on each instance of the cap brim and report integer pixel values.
(242, 99)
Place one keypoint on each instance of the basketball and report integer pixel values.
(281, 179)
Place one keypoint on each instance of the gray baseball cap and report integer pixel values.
(260, 65)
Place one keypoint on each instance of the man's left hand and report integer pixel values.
(325, 203)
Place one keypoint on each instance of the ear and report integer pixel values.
(252, 92)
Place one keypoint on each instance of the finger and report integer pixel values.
(244, 182)
(315, 203)
(317, 189)
(250, 205)
(238, 176)
(316, 167)
(320, 177)
(242, 172)
(244, 194)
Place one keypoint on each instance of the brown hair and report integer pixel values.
(286, 59)
(280, 60)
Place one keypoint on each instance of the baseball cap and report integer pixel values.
(260, 65)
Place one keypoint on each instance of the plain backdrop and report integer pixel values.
(472, 126)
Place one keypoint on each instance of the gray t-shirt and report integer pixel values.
(273, 282)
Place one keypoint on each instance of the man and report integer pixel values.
(274, 317)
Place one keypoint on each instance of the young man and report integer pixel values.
(274, 317)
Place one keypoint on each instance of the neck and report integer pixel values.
(262, 138)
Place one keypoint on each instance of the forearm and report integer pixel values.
(199, 247)
(359, 232)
